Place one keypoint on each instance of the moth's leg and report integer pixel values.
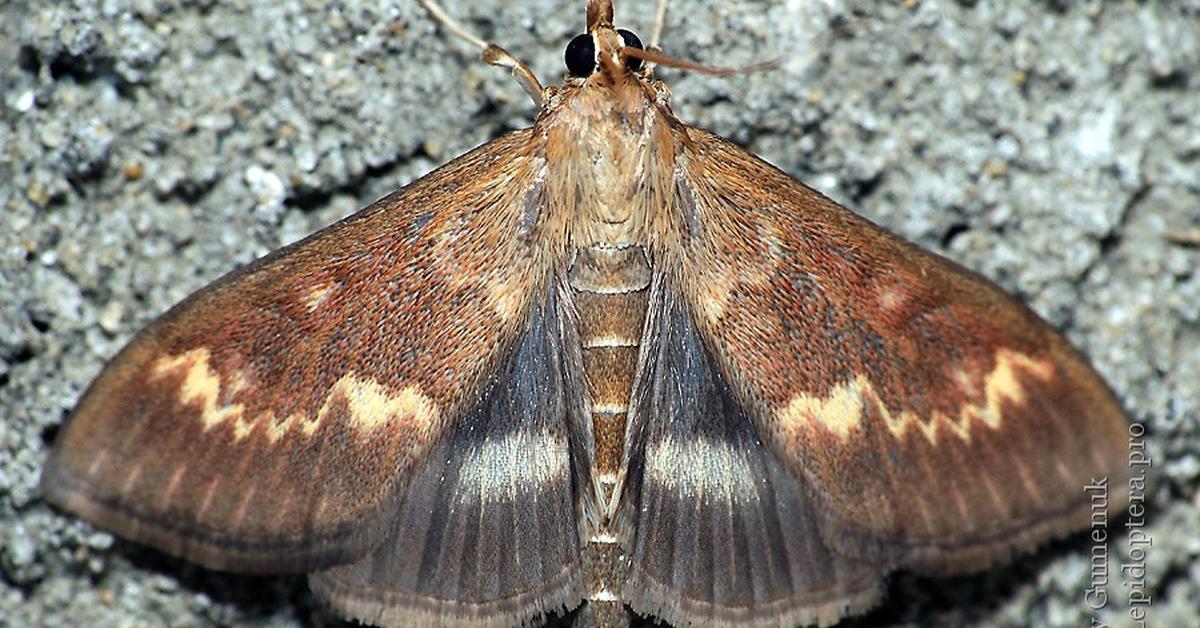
(660, 23)
(491, 53)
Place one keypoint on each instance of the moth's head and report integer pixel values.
(608, 76)
(601, 54)
(604, 56)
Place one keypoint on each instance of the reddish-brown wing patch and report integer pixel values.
(266, 422)
(942, 422)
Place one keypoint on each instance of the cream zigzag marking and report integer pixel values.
(200, 385)
(370, 404)
(841, 411)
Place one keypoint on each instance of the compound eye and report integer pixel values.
(581, 56)
(631, 40)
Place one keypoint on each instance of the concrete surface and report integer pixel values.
(146, 148)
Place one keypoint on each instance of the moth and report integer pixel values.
(610, 364)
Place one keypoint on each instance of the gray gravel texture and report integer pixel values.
(148, 147)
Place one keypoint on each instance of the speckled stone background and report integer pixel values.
(146, 148)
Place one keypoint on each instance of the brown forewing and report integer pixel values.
(942, 424)
(267, 422)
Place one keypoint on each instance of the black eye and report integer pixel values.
(581, 56)
(631, 40)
